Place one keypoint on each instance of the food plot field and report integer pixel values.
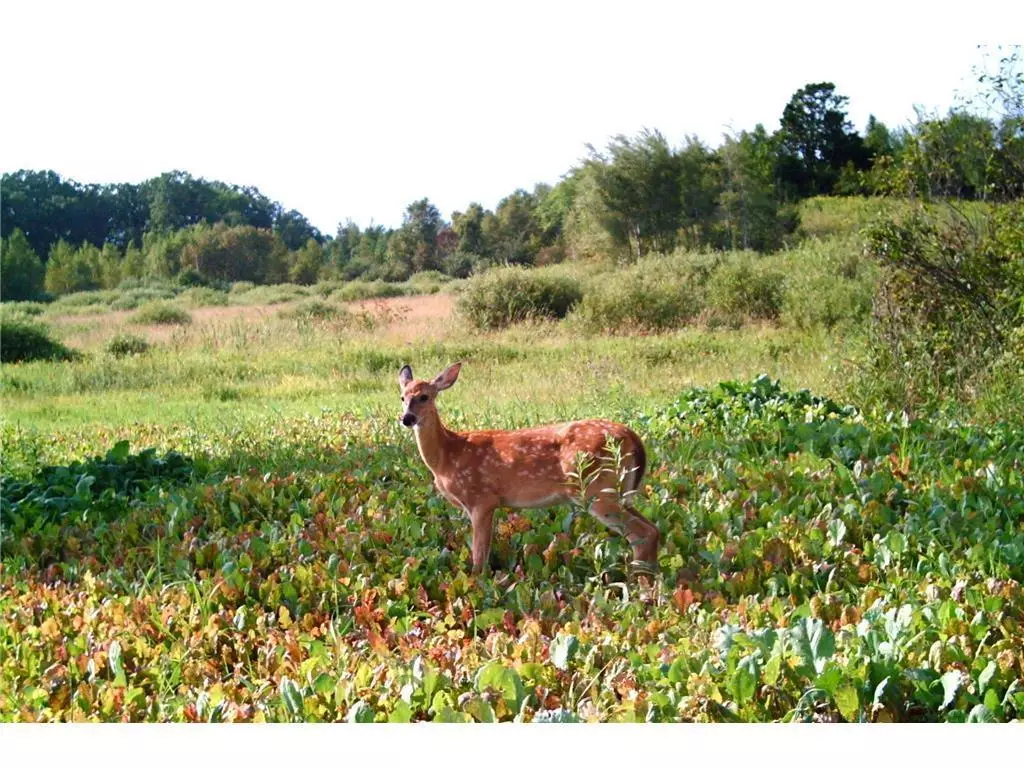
(235, 528)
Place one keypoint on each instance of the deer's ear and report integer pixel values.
(404, 376)
(448, 377)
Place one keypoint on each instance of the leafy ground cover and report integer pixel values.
(818, 564)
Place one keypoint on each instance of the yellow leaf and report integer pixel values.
(50, 629)
(285, 617)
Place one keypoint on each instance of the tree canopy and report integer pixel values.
(638, 194)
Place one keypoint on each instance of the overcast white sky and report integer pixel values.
(353, 110)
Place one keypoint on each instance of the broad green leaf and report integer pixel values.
(432, 681)
(402, 713)
(116, 664)
(744, 680)
(951, 682)
(1018, 702)
(986, 676)
(441, 700)
(324, 684)
(814, 642)
(360, 712)
(291, 697)
(830, 679)
(84, 485)
(679, 671)
(896, 542)
(877, 701)
(120, 451)
(725, 636)
(836, 531)
(488, 618)
(1014, 697)
(497, 677)
(991, 700)
(481, 710)
(448, 715)
(332, 565)
(980, 714)
(847, 702)
(203, 705)
(773, 668)
(563, 649)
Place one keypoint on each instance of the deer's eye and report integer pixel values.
(423, 398)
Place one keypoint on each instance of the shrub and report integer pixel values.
(24, 341)
(81, 299)
(324, 288)
(128, 301)
(391, 271)
(427, 282)
(126, 344)
(948, 309)
(269, 294)
(747, 286)
(202, 296)
(161, 313)
(241, 286)
(638, 299)
(358, 290)
(191, 278)
(313, 309)
(459, 264)
(509, 295)
(135, 298)
(815, 299)
(822, 217)
(828, 284)
(24, 307)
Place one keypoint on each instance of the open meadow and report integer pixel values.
(222, 520)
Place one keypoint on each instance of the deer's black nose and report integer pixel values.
(409, 420)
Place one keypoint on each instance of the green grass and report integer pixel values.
(539, 372)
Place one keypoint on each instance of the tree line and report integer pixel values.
(637, 195)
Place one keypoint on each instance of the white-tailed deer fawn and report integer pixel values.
(531, 468)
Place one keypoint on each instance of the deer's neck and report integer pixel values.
(434, 441)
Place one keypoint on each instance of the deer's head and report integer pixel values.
(418, 396)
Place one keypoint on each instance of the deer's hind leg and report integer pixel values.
(640, 532)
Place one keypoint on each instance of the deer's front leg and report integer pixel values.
(483, 530)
